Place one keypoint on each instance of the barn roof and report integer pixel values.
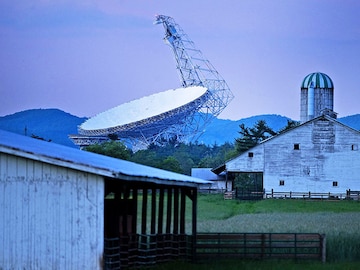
(60, 155)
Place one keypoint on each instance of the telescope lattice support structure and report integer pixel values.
(185, 123)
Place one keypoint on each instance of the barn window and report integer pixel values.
(296, 146)
(250, 154)
(281, 183)
(335, 183)
(354, 147)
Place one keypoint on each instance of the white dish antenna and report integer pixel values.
(168, 106)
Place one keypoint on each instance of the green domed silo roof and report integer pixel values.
(319, 80)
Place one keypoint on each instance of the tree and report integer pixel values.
(114, 149)
(216, 155)
(290, 124)
(171, 164)
(147, 157)
(252, 136)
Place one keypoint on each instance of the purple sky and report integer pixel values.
(85, 57)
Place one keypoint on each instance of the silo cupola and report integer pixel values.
(317, 96)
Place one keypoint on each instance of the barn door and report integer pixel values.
(249, 186)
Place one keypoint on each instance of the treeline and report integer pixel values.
(180, 157)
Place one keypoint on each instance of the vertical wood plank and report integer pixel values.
(323, 247)
(182, 211)
(144, 211)
(194, 224)
(124, 203)
(168, 210)
(176, 211)
(153, 211)
(161, 211)
(134, 218)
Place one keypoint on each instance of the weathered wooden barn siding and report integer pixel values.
(244, 163)
(328, 152)
(283, 162)
(51, 217)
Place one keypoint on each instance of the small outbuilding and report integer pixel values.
(63, 208)
(218, 183)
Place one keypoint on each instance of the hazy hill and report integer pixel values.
(220, 131)
(49, 124)
(56, 125)
(351, 121)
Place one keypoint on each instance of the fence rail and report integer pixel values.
(353, 194)
(261, 245)
(139, 250)
(306, 195)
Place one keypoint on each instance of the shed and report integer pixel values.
(61, 206)
(218, 183)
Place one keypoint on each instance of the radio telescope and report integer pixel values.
(180, 114)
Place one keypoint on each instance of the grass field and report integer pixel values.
(338, 220)
(259, 265)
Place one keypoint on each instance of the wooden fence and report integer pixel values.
(143, 250)
(353, 194)
(260, 246)
(306, 195)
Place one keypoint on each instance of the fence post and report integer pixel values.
(262, 245)
(323, 247)
(295, 243)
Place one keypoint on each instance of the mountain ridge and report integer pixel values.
(55, 125)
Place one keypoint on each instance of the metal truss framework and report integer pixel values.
(187, 124)
(193, 68)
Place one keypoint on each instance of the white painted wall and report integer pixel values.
(51, 217)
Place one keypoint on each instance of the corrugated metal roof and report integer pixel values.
(60, 155)
(206, 173)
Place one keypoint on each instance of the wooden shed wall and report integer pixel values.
(51, 217)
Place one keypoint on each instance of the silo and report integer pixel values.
(317, 96)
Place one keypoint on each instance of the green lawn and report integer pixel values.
(338, 220)
(215, 207)
(259, 265)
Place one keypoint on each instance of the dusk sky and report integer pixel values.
(85, 57)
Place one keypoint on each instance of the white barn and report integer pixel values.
(53, 207)
(319, 156)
